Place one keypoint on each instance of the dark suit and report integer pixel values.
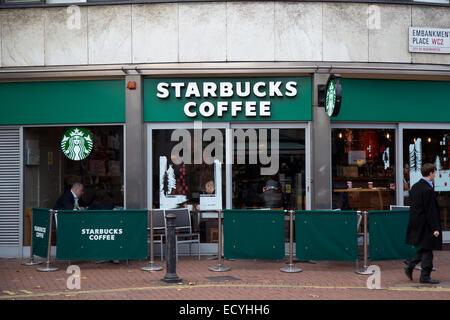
(65, 202)
(424, 219)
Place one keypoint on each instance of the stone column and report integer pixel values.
(135, 146)
(321, 150)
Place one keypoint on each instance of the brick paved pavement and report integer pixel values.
(247, 280)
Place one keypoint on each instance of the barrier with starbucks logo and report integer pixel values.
(102, 235)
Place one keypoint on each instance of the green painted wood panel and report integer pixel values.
(102, 234)
(394, 100)
(388, 236)
(326, 235)
(62, 102)
(254, 234)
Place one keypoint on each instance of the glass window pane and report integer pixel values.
(280, 187)
(363, 162)
(48, 173)
(184, 175)
(423, 146)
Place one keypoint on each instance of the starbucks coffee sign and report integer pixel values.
(333, 96)
(76, 143)
(227, 99)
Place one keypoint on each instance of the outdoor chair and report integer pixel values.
(159, 229)
(183, 230)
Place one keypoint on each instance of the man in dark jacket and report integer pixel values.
(70, 200)
(424, 227)
(272, 197)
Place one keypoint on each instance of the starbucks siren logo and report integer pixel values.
(76, 143)
(331, 98)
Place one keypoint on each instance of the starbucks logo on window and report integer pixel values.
(76, 143)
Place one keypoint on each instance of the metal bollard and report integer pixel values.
(48, 268)
(151, 267)
(364, 271)
(220, 267)
(171, 270)
(291, 268)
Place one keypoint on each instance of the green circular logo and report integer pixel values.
(331, 98)
(76, 143)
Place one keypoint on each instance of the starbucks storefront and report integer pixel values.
(227, 141)
(64, 132)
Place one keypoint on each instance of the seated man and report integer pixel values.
(70, 200)
(272, 197)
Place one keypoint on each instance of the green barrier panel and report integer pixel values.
(41, 228)
(326, 235)
(387, 235)
(254, 234)
(102, 235)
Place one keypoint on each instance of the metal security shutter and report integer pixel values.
(10, 187)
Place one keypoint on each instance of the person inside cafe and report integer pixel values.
(102, 201)
(209, 189)
(71, 199)
(272, 196)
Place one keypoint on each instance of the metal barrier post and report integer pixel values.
(291, 268)
(171, 270)
(151, 267)
(364, 271)
(220, 267)
(48, 268)
(31, 262)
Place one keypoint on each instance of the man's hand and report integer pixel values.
(436, 233)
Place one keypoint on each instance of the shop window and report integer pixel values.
(363, 166)
(184, 174)
(428, 146)
(275, 184)
(268, 171)
(48, 173)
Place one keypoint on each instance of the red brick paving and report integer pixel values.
(255, 280)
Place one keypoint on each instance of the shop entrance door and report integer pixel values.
(180, 166)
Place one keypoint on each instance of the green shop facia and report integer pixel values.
(156, 144)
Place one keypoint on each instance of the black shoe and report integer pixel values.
(409, 272)
(429, 281)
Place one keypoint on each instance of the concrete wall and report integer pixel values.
(216, 31)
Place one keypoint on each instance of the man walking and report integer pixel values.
(424, 227)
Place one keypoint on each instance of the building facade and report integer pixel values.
(166, 88)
